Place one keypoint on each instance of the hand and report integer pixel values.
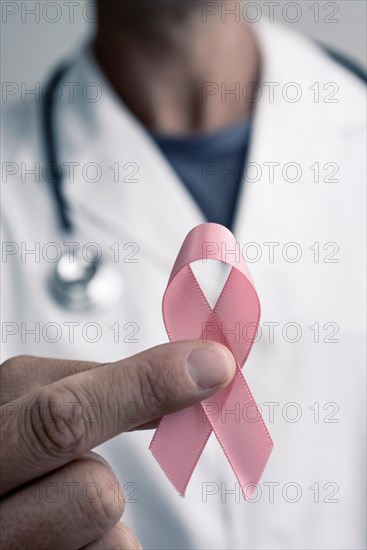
(46, 434)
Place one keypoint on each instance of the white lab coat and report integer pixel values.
(311, 493)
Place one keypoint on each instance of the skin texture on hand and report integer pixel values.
(46, 436)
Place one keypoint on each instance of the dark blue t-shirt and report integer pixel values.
(211, 166)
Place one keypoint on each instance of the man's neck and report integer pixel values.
(192, 77)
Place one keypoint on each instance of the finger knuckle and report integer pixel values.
(10, 367)
(57, 424)
(12, 380)
(15, 361)
(101, 500)
(151, 389)
(121, 536)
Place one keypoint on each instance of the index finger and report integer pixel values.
(46, 429)
(26, 373)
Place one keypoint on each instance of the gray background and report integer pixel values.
(32, 43)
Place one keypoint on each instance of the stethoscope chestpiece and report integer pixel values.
(80, 284)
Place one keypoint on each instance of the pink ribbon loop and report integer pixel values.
(231, 413)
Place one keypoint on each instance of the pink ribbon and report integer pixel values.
(232, 412)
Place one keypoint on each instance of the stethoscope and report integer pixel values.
(78, 282)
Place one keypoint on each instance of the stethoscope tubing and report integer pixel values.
(80, 293)
(55, 173)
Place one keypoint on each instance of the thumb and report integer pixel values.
(173, 376)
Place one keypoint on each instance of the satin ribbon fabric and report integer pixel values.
(232, 412)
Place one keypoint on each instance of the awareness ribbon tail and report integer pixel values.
(232, 413)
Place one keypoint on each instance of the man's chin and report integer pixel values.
(150, 13)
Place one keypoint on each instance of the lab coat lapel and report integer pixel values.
(273, 210)
(138, 193)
